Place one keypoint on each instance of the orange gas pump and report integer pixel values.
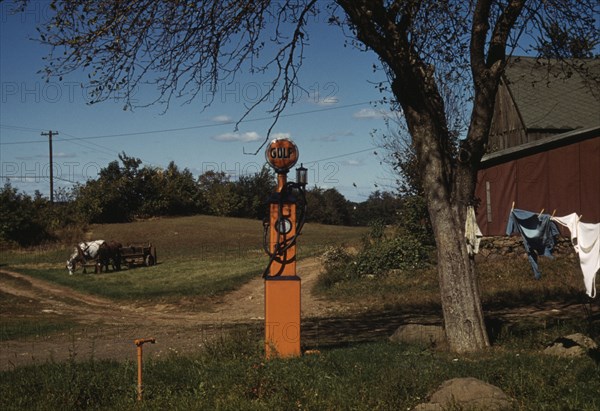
(287, 208)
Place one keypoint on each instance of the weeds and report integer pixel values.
(380, 255)
(232, 374)
(230, 371)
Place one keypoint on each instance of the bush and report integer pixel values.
(335, 257)
(338, 265)
(23, 220)
(401, 252)
(378, 257)
(413, 218)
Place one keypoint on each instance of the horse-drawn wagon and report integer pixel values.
(99, 254)
(138, 254)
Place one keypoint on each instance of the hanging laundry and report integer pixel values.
(585, 238)
(537, 231)
(472, 232)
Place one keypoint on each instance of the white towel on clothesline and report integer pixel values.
(585, 238)
(472, 232)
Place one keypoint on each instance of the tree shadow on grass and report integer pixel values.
(342, 331)
(345, 330)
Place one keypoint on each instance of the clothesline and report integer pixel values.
(541, 212)
(512, 207)
(538, 231)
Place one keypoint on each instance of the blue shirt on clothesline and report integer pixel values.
(538, 233)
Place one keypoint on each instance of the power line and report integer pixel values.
(339, 156)
(304, 162)
(27, 177)
(20, 128)
(105, 150)
(89, 145)
(171, 130)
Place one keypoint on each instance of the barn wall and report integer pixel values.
(589, 165)
(565, 179)
(496, 189)
(507, 128)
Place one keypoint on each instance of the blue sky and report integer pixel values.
(331, 120)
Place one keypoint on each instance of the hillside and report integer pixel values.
(208, 282)
(207, 278)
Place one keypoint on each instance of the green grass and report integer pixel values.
(504, 283)
(18, 328)
(21, 317)
(200, 256)
(199, 237)
(203, 278)
(231, 374)
(206, 256)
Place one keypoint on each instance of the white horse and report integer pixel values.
(82, 253)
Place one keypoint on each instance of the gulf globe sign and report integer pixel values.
(282, 154)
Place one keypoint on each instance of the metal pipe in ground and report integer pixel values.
(139, 343)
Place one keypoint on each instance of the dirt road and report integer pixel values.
(106, 329)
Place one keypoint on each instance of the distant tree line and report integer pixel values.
(126, 190)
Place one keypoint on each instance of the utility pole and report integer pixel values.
(51, 133)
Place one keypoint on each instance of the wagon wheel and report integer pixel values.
(149, 260)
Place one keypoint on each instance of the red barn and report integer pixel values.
(544, 145)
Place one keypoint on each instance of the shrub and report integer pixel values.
(335, 257)
(376, 231)
(23, 220)
(338, 266)
(413, 218)
(401, 252)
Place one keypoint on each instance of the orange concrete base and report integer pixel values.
(282, 316)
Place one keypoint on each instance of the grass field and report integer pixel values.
(504, 283)
(208, 256)
(231, 374)
(201, 255)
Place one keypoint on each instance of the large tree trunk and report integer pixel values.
(448, 180)
(447, 199)
(461, 305)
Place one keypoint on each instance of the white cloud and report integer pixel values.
(369, 113)
(280, 135)
(333, 137)
(329, 100)
(240, 137)
(352, 163)
(223, 118)
(63, 155)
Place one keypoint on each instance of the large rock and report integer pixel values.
(430, 335)
(468, 394)
(574, 345)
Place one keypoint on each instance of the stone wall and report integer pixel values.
(493, 247)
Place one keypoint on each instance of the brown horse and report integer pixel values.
(107, 253)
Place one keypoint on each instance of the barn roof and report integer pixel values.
(548, 99)
(537, 146)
